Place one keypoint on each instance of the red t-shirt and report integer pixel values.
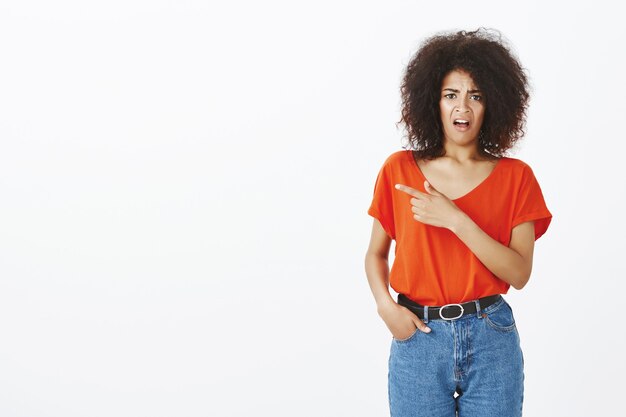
(432, 266)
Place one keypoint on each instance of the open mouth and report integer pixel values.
(461, 124)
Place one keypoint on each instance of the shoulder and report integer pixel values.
(519, 173)
(516, 166)
(514, 161)
(398, 157)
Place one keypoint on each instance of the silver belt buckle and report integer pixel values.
(450, 318)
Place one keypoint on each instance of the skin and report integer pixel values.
(512, 264)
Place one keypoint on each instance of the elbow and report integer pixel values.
(519, 286)
(521, 282)
(522, 275)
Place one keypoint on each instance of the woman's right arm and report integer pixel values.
(377, 265)
(400, 320)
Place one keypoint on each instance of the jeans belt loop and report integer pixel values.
(426, 314)
(477, 302)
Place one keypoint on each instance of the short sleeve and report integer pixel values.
(381, 207)
(530, 204)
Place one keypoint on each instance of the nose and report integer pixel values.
(462, 107)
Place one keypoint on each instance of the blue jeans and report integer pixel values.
(477, 357)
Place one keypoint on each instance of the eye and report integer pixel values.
(477, 97)
(449, 94)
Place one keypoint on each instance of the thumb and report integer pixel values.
(429, 187)
(420, 325)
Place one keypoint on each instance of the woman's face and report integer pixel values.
(460, 100)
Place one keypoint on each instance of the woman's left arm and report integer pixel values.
(512, 264)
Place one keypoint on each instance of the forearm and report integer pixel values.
(377, 271)
(502, 261)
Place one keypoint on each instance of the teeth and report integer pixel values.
(461, 121)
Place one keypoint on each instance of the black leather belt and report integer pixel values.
(450, 311)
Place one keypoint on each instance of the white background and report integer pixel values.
(184, 188)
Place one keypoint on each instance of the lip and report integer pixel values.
(461, 128)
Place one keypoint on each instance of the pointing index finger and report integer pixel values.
(409, 190)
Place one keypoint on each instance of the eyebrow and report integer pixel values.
(456, 91)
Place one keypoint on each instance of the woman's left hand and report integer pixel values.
(433, 208)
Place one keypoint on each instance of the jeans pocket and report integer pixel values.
(501, 318)
(417, 330)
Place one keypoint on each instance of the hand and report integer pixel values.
(401, 321)
(433, 208)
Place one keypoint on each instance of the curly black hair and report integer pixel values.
(494, 69)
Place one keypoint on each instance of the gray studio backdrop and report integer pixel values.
(184, 188)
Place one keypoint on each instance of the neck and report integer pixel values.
(464, 153)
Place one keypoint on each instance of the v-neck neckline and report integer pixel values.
(491, 174)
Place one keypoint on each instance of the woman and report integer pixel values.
(464, 218)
